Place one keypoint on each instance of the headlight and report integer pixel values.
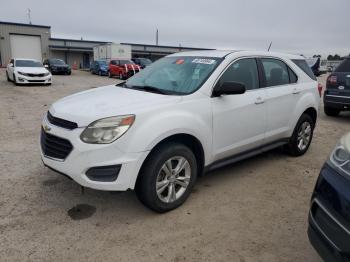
(107, 130)
(340, 157)
(21, 73)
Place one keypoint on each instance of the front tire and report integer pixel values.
(331, 111)
(14, 80)
(110, 74)
(7, 77)
(167, 177)
(301, 139)
(100, 73)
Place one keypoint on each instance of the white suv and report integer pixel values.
(183, 115)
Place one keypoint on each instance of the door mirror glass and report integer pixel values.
(229, 88)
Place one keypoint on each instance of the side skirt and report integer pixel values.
(244, 155)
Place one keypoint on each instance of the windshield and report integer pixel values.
(57, 62)
(145, 61)
(175, 75)
(125, 62)
(28, 63)
(344, 66)
(102, 63)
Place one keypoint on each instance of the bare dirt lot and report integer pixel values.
(255, 210)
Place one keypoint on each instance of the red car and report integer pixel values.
(122, 68)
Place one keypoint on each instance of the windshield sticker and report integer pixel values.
(203, 61)
(180, 61)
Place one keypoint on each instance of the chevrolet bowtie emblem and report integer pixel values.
(47, 128)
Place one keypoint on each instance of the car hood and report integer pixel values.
(85, 107)
(32, 70)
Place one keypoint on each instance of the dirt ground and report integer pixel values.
(255, 210)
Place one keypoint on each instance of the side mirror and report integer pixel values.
(229, 88)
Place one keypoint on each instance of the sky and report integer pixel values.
(295, 26)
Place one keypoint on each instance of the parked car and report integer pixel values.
(123, 68)
(142, 62)
(99, 67)
(27, 71)
(186, 114)
(57, 66)
(337, 94)
(329, 217)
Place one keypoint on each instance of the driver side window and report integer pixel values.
(244, 71)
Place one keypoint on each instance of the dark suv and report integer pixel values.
(57, 66)
(337, 95)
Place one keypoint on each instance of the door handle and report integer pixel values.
(296, 91)
(259, 100)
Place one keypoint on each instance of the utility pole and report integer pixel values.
(157, 37)
(29, 18)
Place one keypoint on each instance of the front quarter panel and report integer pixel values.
(192, 117)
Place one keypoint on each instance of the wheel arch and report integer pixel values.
(186, 139)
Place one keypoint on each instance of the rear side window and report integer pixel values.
(344, 66)
(244, 71)
(301, 63)
(276, 72)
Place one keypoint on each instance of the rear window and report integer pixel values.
(301, 63)
(344, 66)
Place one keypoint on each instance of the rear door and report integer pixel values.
(282, 93)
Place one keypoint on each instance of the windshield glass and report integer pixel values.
(145, 61)
(125, 62)
(175, 75)
(344, 66)
(28, 63)
(57, 62)
(102, 63)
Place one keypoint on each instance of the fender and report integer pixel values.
(308, 99)
(154, 127)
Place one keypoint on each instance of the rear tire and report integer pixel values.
(301, 139)
(172, 167)
(331, 111)
(121, 76)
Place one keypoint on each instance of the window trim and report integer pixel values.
(234, 61)
(263, 71)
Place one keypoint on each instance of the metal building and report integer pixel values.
(35, 41)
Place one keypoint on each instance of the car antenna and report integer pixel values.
(268, 50)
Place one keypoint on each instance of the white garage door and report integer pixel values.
(24, 46)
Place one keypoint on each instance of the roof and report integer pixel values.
(223, 53)
(21, 24)
(167, 46)
(78, 40)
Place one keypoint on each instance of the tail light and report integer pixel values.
(332, 79)
(319, 88)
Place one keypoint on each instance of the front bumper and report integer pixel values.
(84, 156)
(329, 217)
(21, 79)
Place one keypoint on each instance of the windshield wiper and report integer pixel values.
(150, 89)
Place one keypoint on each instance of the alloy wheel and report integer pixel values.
(173, 179)
(304, 135)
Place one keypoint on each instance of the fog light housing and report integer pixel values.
(103, 173)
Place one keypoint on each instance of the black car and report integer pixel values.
(337, 95)
(142, 62)
(57, 66)
(329, 217)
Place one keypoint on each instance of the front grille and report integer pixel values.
(35, 75)
(36, 81)
(55, 147)
(61, 122)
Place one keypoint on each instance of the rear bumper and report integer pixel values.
(337, 101)
(329, 217)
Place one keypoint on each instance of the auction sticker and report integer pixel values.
(203, 61)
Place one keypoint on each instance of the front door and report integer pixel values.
(239, 121)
